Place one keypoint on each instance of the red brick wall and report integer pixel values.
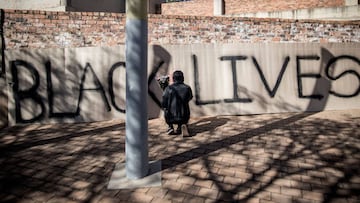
(192, 29)
(251, 6)
(39, 29)
(195, 7)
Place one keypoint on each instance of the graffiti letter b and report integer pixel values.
(30, 93)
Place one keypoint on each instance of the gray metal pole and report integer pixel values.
(218, 7)
(136, 144)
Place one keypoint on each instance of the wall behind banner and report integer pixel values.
(70, 67)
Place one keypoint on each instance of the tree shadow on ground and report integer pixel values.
(59, 162)
(278, 158)
(44, 136)
(206, 125)
(304, 159)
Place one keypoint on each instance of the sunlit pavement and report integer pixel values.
(290, 157)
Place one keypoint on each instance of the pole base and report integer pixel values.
(119, 180)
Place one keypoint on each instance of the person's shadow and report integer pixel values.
(160, 67)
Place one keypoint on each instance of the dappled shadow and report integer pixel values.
(206, 125)
(301, 158)
(44, 136)
(228, 141)
(292, 157)
(61, 162)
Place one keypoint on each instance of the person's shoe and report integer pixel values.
(184, 131)
(178, 130)
(170, 131)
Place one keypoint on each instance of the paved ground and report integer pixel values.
(292, 157)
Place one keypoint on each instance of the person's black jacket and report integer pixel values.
(175, 103)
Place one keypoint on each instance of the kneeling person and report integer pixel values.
(175, 103)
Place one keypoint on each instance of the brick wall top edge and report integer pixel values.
(187, 17)
(9, 11)
(184, 17)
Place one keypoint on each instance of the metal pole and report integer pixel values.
(136, 144)
(218, 7)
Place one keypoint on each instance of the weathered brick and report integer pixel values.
(37, 29)
(190, 189)
(291, 191)
(316, 196)
(204, 183)
(208, 193)
(186, 180)
(142, 197)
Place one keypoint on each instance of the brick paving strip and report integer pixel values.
(290, 157)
